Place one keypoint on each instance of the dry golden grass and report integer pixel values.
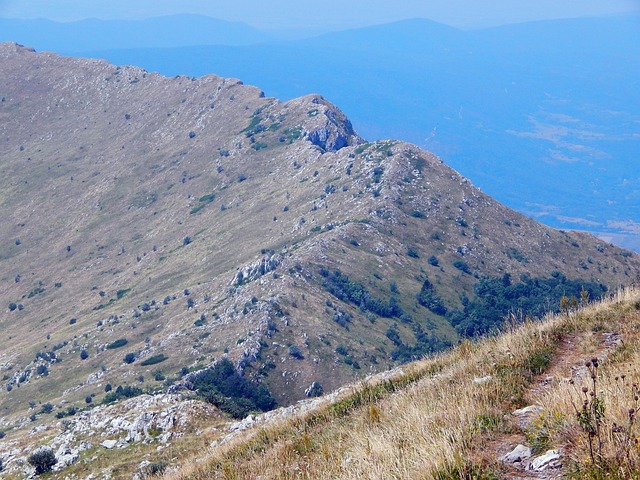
(430, 421)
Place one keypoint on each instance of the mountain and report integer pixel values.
(552, 108)
(154, 226)
(159, 32)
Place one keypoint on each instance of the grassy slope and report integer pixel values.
(432, 419)
(102, 160)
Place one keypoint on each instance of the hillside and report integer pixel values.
(507, 407)
(154, 225)
(550, 106)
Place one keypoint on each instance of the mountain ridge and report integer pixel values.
(562, 104)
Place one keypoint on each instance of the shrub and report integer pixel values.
(42, 370)
(88, 399)
(84, 355)
(122, 392)
(46, 408)
(295, 352)
(130, 357)
(156, 468)
(462, 266)
(433, 260)
(222, 386)
(154, 359)
(315, 390)
(122, 293)
(43, 459)
(346, 290)
(428, 298)
(121, 342)
(108, 387)
(12, 306)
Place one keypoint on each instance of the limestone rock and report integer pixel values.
(527, 410)
(518, 454)
(551, 459)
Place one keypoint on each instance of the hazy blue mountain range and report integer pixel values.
(543, 116)
(95, 34)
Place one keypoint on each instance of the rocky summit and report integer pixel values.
(153, 227)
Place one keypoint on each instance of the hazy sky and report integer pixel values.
(324, 14)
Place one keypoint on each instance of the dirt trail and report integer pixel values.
(568, 363)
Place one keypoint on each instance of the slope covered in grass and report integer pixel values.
(452, 416)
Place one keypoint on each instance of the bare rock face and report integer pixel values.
(333, 129)
(255, 270)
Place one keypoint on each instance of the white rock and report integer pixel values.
(518, 454)
(551, 459)
(109, 444)
(481, 380)
(527, 410)
(243, 424)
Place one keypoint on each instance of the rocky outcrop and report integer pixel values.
(255, 270)
(335, 132)
(145, 419)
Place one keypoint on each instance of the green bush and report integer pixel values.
(121, 342)
(346, 290)
(496, 297)
(222, 386)
(130, 357)
(122, 293)
(462, 266)
(122, 392)
(43, 459)
(154, 359)
(428, 298)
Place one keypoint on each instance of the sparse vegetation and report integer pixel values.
(340, 286)
(126, 391)
(459, 413)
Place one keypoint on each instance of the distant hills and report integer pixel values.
(543, 116)
(160, 32)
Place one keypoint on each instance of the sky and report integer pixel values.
(327, 14)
